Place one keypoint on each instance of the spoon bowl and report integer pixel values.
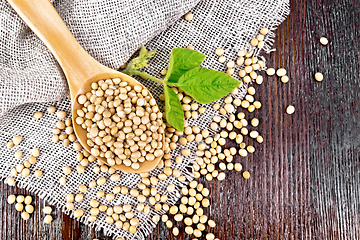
(80, 69)
(81, 133)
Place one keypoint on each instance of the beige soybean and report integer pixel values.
(18, 154)
(156, 218)
(62, 181)
(241, 115)
(19, 207)
(264, 31)
(243, 152)
(257, 104)
(132, 229)
(219, 51)
(115, 177)
(82, 188)
(261, 44)
(92, 218)
(51, 109)
(47, 210)
(259, 79)
(11, 199)
(32, 159)
(255, 122)
(260, 37)
(197, 233)
(222, 59)
(281, 72)
(189, 16)
(254, 42)
(28, 200)
(101, 181)
(38, 115)
(253, 134)
(210, 236)
(251, 108)
(270, 71)
(290, 109)
(110, 197)
(178, 217)
(100, 194)
(61, 114)
(27, 164)
(103, 208)
(48, 219)
(80, 169)
(92, 184)
(17, 140)
(126, 226)
(259, 139)
(230, 64)
(25, 172)
(79, 197)
(175, 231)
(38, 173)
(251, 90)
(70, 197)
(319, 76)
(284, 79)
(94, 211)
(163, 72)
(25, 215)
(29, 208)
(246, 174)
(237, 167)
(186, 152)
(324, 41)
(78, 213)
(66, 170)
(10, 144)
(170, 188)
(10, 181)
(94, 203)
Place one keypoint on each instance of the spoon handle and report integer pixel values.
(43, 19)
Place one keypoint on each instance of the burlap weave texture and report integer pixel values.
(111, 31)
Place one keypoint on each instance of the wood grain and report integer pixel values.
(305, 177)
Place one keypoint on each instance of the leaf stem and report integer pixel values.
(172, 84)
(143, 74)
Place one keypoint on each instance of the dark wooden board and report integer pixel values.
(305, 176)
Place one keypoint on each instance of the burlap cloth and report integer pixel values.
(111, 31)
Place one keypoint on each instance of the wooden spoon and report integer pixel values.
(79, 67)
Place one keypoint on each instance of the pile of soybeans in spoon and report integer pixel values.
(123, 123)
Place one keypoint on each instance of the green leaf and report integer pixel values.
(205, 85)
(143, 51)
(181, 61)
(141, 61)
(174, 112)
